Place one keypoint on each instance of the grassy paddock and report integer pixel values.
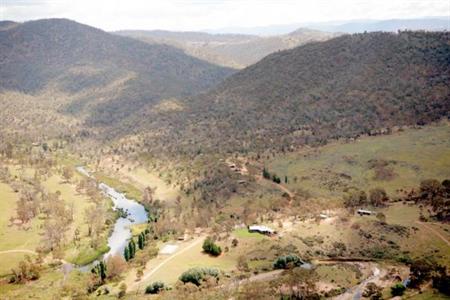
(412, 155)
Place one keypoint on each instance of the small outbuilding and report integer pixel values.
(363, 212)
(261, 229)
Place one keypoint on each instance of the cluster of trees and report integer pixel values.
(435, 194)
(96, 217)
(357, 198)
(100, 270)
(110, 269)
(423, 270)
(130, 250)
(26, 271)
(210, 247)
(274, 177)
(154, 206)
(59, 216)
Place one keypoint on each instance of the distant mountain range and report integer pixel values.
(232, 50)
(351, 26)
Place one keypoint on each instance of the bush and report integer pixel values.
(288, 261)
(398, 289)
(211, 248)
(155, 287)
(122, 290)
(197, 275)
(372, 291)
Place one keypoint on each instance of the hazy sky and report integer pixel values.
(214, 14)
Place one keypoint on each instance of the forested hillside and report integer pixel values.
(344, 87)
(98, 77)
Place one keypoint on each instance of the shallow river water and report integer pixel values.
(122, 231)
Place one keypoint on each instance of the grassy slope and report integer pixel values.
(419, 154)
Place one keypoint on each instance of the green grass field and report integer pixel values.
(413, 155)
(244, 233)
(128, 189)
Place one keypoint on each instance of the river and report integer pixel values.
(121, 233)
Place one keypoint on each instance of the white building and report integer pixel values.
(261, 229)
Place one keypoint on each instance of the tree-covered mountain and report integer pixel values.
(103, 77)
(344, 87)
(233, 50)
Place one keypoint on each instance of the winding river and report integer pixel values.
(136, 214)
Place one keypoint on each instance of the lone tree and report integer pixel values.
(141, 240)
(126, 254)
(67, 173)
(131, 249)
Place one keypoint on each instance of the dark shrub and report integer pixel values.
(197, 275)
(211, 248)
(155, 288)
(288, 261)
(398, 289)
